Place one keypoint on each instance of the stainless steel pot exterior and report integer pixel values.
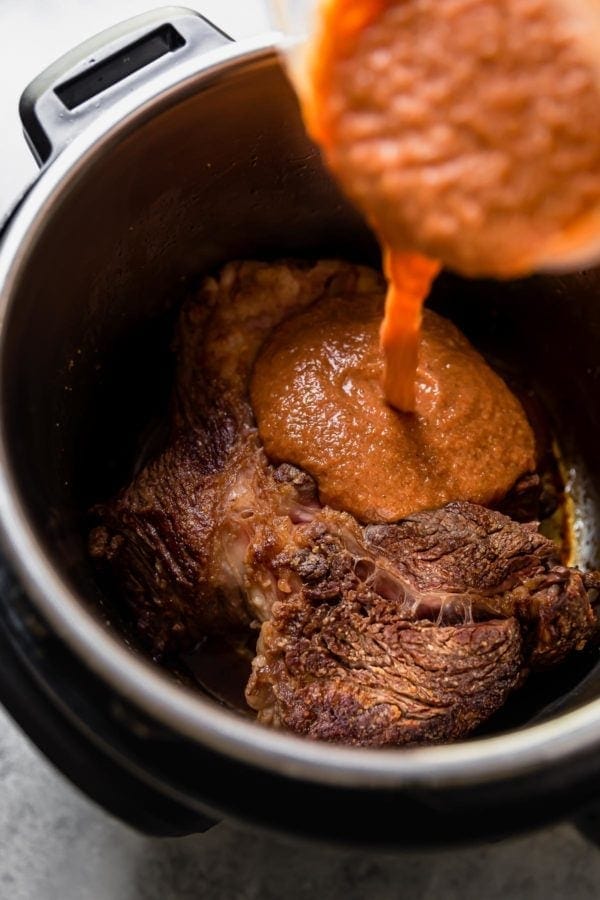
(205, 163)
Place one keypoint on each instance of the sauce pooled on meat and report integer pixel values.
(318, 399)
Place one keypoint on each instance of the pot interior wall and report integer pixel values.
(226, 173)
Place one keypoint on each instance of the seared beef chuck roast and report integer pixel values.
(357, 652)
(417, 632)
(164, 535)
(404, 633)
(496, 568)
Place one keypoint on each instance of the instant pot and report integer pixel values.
(165, 151)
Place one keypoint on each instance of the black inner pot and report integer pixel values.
(227, 173)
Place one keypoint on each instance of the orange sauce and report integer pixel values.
(342, 23)
(316, 393)
(410, 275)
(465, 130)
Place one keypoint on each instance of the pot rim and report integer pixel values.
(490, 759)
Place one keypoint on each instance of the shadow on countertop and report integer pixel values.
(56, 845)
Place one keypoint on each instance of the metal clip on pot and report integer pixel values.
(55, 107)
(72, 91)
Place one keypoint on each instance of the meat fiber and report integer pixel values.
(165, 536)
(405, 633)
(417, 632)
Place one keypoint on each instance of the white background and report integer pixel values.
(33, 34)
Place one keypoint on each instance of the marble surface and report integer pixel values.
(55, 844)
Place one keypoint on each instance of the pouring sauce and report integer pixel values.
(468, 132)
(410, 278)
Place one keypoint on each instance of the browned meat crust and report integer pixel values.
(419, 634)
(499, 568)
(354, 654)
(159, 534)
(406, 633)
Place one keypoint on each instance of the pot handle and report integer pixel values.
(72, 91)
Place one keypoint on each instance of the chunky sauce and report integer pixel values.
(318, 399)
(467, 131)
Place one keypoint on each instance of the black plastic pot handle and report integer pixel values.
(71, 92)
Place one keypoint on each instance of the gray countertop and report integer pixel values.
(54, 843)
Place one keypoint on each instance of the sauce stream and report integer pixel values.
(467, 131)
(410, 277)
